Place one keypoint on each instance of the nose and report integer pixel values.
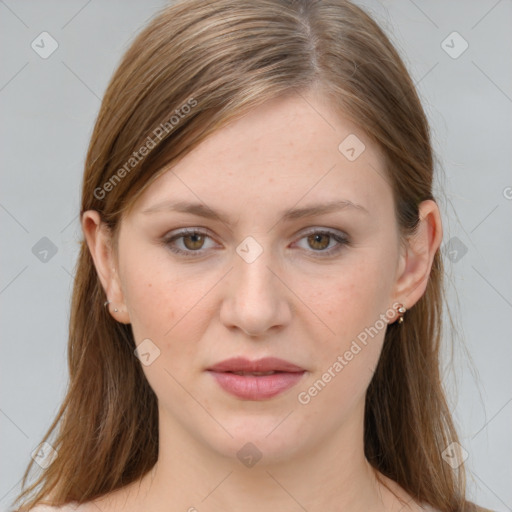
(257, 298)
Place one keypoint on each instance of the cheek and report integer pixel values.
(349, 299)
(353, 302)
(165, 307)
(344, 366)
(166, 304)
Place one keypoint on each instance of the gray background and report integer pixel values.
(48, 107)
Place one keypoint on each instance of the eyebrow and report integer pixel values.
(202, 210)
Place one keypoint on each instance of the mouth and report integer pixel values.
(256, 380)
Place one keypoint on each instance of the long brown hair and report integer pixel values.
(197, 66)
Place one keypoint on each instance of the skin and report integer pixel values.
(290, 303)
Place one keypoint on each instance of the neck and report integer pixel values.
(331, 475)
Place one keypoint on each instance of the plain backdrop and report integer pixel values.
(458, 53)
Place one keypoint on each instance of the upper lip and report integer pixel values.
(266, 364)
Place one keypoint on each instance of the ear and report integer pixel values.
(99, 241)
(416, 259)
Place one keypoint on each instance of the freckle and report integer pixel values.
(149, 285)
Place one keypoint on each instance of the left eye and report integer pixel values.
(319, 240)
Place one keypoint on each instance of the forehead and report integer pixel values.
(290, 150)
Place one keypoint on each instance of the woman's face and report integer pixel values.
(271, 279)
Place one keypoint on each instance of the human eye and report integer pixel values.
(324, 242)
(320, 240)
(192, 241)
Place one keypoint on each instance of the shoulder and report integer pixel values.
(470, 507)
(475, 508)
(68, 507)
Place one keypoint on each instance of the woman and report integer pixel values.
(257, 305)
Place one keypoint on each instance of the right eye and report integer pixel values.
(192, 241)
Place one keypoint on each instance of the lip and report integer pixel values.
(252, 387)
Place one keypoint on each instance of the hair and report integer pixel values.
(194, 68)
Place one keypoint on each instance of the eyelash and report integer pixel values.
(341, 239)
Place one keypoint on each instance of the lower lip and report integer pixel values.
(251, 387)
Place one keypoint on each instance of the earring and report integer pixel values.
(400, 309)
(107, 302)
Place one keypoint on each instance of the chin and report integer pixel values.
(260, 440)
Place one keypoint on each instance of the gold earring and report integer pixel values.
(400, 309)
